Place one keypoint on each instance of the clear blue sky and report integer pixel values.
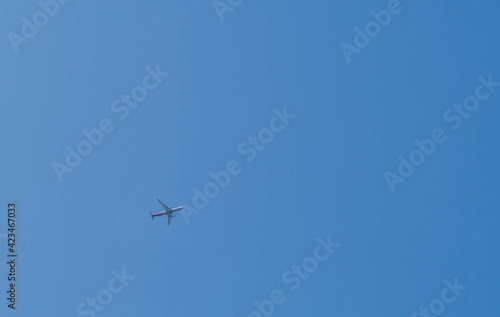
(322, 175)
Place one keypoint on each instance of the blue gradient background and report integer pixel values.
(323, 175)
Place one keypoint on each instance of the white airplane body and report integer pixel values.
(168, 211)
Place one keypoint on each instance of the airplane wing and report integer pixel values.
(167, 208)
(169, 218)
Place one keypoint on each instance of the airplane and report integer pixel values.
(168, 211)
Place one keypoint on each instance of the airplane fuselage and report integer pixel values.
(166, 212)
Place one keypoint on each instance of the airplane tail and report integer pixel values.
(152, 216)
